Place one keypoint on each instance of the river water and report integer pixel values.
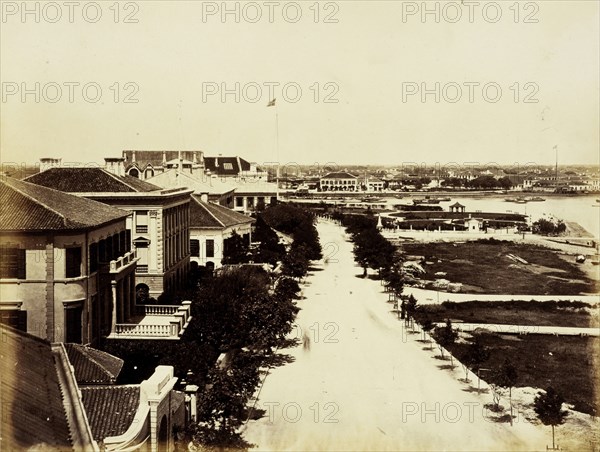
(581, 209)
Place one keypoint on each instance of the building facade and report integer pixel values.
(146, 164)
(158, 221)
(339, 181)
(67, 270)
(210, 227)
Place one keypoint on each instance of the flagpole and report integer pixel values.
(277, 146)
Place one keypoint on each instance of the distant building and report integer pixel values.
(252, 196)
(213, 189)
(233, 168)
(210, 227)
(373, 184)
(146, 164)
(65, 262)
(158, 220)
(339, 181)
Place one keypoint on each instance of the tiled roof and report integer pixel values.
(339, 175)
(156, 158)
(89, 180)
(33, 412)
(93, 366)
(209, 215)
(110, 409)
(226, 166)
(29, 207)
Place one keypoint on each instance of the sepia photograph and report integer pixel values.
(311, 225)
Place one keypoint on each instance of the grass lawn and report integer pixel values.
(538, 313)
(484, 266)
(568, 363)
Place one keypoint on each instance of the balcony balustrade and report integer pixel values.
(157, 322)
(117, 265)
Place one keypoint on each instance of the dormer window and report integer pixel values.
(227, 166)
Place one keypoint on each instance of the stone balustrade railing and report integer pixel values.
(122, 261)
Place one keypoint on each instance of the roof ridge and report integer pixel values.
(88, 355)
(36, 200)
(119, 179)
(210, 213)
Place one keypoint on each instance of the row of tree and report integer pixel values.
(371, 249)
(547, 404)
(246, 314)
(288, 219)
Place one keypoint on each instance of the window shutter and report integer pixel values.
(21, 264)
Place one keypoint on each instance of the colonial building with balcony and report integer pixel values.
(67, 271)
(158, 221)
(210, 227)
(339, 181)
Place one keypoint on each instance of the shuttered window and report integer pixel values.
(12, 263)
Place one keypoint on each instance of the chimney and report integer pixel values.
(164, 160)
(115, 165)
(180, 164)
(49, 162)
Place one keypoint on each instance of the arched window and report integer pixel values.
(134, 172)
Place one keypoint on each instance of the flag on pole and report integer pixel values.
(271, 103)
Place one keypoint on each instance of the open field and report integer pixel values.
(569, 364)
(502, 267)
(547, 313)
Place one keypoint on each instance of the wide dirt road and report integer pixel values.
(364, 384)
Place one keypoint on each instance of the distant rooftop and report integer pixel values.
(208, 215)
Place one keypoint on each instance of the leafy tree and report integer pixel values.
(475, 355)
(427, 326)
(445, 336)
(295, 263)
(269, 251)
(548, 227)
(506, 377)
(395, 280)
(505, 182)
(237, 309)
(222, 404)
(411, 308)
(235, 250)
(548, 407)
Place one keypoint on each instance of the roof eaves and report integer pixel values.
(37, 201)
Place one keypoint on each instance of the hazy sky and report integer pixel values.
(353, 73)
